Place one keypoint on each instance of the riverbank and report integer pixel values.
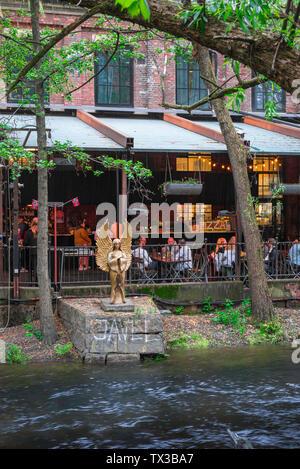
(33, 349)
(180, 330)
(198, 331)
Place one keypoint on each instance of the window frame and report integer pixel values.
(254, 99)
(131, 86)
(206, 106)
(16, 100)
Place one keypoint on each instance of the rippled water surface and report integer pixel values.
(186, 401)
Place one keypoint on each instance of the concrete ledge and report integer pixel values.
(177, 292)
(192, 292)
(17, 314)
(288, 289)
(125, 357)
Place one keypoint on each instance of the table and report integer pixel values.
(167, 267)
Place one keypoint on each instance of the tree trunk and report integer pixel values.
(262, 306)
(48, 327)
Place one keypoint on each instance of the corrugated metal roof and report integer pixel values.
(262, 140)
(63, 128)
(151, 135)
(157, 135)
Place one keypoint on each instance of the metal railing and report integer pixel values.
(76, 265)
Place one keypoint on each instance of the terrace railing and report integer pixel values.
(76, 265)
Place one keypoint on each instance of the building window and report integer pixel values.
(193, 212)
(193, 163)
(266, 164)
(265, 180)
(268, 213)
(24, 95)
(268, 174)
(263, 93)
(114, 85)
(25, 91)
(190, 87)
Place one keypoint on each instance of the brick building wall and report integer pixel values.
(147, 91)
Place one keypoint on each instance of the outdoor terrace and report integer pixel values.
(154, 264)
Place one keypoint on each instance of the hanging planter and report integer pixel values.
(188, 186)
(285, 189)
(183, 189)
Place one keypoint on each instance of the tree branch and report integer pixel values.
(218, 94)
(99, 71)
(58, 37)
(6, 36)
(164, 17)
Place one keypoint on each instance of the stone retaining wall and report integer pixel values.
(287, 290)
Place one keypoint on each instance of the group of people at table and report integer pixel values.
(219, 262)
(177, 257)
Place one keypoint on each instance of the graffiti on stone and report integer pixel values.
(126, 330)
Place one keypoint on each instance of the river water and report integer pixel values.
(186, 401)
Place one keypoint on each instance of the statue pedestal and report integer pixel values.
(106, 305)
(114, 334)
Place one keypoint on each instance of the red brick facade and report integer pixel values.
(146, 81)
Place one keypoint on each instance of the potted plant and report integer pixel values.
(187, 186)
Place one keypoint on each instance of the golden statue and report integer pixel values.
(114, 256)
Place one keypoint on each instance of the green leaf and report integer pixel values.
(145, 10)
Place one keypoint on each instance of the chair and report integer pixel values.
(174, 274)
(199, 269)
(294, 268)
(142, 273)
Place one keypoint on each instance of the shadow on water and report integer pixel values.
(186, 401)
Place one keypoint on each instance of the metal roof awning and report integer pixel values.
(179, 135)
(263, 140)
(156, 135)
(62, 129)
(172, 134)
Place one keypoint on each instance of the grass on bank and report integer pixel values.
(238, 320)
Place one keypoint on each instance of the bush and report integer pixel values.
(207, 308)
(271, 331)
(31, 331)
(234, 317)
(63, 349)
(14, 354)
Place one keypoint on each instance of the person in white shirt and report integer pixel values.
(294, 254)
(185, 254)
(228, 260)
(141, 254)
(216, 256)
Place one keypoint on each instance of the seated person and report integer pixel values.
(294, 255)
(215, 258)
(140, 253)
(184, 253)
(270, 257)
(228, 259)
(171, 248)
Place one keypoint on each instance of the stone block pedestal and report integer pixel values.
(113, 336)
